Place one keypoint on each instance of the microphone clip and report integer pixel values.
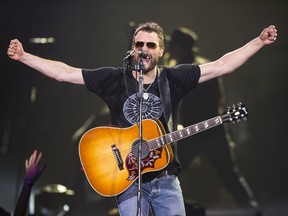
(129, 55)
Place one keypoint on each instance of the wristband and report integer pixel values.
(28, 182)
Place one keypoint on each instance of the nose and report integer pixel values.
(145, 47)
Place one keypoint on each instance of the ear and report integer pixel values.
(161, 52)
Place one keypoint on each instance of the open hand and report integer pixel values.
(33, 169)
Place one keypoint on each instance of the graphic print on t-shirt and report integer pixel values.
(151, 108)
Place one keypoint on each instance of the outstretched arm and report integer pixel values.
(232, 60)
(53, 69)
(33, 172)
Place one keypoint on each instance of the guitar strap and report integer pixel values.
(171, 117)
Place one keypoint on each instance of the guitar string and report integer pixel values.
(173, 134)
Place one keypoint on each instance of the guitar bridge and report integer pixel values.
(117, 156)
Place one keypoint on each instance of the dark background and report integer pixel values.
(96, 33)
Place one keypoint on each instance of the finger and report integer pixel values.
(10, 51)
(39, 158)
(12, 44)
(274, 30)
(14, 41)
(33, 156)
(12, 47)
(26, 163)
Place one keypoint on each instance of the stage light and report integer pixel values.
(42, 40)
(54, 199)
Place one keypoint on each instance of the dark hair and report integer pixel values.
(151, 27)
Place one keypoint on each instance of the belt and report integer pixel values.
(166, 172)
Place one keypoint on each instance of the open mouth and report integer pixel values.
(147, 58)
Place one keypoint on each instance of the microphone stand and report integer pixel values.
(140, 68)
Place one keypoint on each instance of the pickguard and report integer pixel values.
(146, 162)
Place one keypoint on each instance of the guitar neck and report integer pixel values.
(185, 132)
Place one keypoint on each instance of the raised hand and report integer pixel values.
(269, 35)
(15, 50)
(33, 169)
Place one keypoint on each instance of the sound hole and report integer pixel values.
(144, 150)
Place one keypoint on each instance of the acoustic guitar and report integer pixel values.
(109, 155)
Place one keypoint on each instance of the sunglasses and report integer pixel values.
(150, 45)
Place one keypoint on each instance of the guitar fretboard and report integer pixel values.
(183, 133)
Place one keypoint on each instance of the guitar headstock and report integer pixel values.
(235, 113)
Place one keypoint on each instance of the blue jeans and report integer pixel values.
(162, 195)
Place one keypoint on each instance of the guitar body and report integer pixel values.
(109, 156)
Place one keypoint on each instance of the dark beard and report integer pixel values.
(151, 67)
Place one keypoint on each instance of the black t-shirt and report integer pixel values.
(118, 88)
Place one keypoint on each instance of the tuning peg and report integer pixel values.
(228, 109)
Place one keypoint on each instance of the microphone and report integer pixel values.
(142, 54)
(129, 55)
